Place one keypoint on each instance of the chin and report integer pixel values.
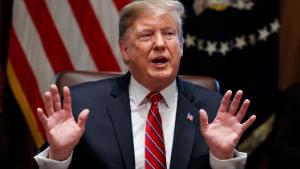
(163, 75)
(160, 73)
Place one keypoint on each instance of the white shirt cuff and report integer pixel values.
(238, 162)
(45, 163)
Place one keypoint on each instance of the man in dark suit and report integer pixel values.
(119, 132)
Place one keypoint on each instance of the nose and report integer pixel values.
(159, 43)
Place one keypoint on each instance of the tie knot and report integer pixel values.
(154, 97)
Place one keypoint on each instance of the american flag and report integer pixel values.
(49, 36)
(190, 117)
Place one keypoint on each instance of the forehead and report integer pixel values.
(150, 20)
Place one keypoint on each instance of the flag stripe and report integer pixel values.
(33, 94)
(50, 38)
(32, 122)
(111, 28)
(27, 35)
(93, 35)
(21, 67)
(69, 30)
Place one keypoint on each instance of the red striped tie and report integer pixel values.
(155, 157)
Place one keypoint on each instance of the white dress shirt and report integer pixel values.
(139, 109)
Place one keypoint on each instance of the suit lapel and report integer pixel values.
(119, 110)
(185, 129)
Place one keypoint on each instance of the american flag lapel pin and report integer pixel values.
(190, 117)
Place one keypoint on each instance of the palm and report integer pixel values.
(62, 129)
(223, 134)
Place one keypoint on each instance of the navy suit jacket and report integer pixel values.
(108, 142)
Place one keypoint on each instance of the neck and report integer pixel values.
(155, 85)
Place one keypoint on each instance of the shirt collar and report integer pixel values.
(138, 92)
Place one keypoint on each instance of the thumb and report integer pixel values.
(83, 118)
(203, 119)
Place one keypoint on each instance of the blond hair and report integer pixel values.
(159, 7)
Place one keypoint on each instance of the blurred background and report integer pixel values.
(253, 45)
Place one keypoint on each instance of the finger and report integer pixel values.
(67, 99)
(235, 103)
(83, 118)
(48, 104)
(242, 112)
(203, 119)
(248, 123)
(56, 97)
(43, 118)
(225, 101)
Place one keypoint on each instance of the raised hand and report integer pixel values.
(224, 133)
(62, 131)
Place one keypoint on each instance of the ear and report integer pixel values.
(181, 50)
(123, 47)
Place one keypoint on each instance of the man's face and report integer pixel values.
(152, 50)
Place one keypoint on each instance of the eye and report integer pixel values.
(170, 34)
(145, 36)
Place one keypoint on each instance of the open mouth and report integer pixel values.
(159, 61)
